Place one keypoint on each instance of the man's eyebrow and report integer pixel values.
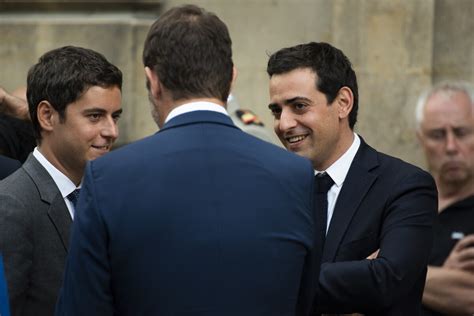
(100, 110)
(94, 110)
(289, 101)
(293, 100)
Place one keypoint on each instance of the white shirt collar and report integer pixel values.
(339, 169)
(196, 106)
(65, 185)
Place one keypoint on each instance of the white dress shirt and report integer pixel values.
(65, 185)
(196, 106)
(338, 172)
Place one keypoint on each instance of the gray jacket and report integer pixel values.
(34, 235)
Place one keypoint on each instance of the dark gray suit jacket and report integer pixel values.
(34, 234)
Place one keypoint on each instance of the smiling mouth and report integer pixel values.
(295, 139)
(105, 147)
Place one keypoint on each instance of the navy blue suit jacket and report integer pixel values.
(4, 306)
(384, 204)
(198, 219)
(8, 166)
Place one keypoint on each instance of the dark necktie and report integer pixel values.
(323, 183)
(74, 197)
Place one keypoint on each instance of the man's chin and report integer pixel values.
(301, 152)
(455, 176)
(97, 154)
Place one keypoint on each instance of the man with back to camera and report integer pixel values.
(74, 99)
(169, 225)
(371, 205)
(445, 129)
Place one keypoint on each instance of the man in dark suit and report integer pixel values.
(74, 98)
(8, 166)
(200, 218)
(375, 206)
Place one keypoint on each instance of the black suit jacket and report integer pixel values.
(8, 166)
(384, 204)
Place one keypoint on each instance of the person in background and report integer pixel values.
(369, 205)
(246, 120)
(74, 99)
(169, 225)
(17, 139)
(14, 104)
(8, 166)
(445, 130)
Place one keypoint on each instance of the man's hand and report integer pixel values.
(13, 105)
(374, 255)
(449, 291)
(462, 255)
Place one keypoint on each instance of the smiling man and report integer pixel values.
(74, 100)
(373, 205)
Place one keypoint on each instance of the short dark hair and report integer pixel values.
(63, 75)
(332, 67)
(191, 52)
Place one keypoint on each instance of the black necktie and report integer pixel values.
(323, 183)
(73, 197)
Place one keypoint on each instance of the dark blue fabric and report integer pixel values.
(198, 219)
(4, 308)
(74, 197)
(323, 183)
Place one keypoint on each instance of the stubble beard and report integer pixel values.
(153, 109)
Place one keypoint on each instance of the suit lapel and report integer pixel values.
(59, 215)
(50, 195)
(358, 181)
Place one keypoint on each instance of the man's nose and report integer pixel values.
(451, 142)
(287, 120)
(110, 129)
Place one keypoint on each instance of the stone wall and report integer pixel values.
(397, 48)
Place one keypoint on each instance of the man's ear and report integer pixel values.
(153, 82)
(48, 117)
(234, 78)
(419, 136)
(344, 101)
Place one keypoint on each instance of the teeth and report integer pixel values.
(295, 139)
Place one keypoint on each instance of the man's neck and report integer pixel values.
(168, 105)
(74, 176)
(184, 101)
(449, 194)
(345, 141)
